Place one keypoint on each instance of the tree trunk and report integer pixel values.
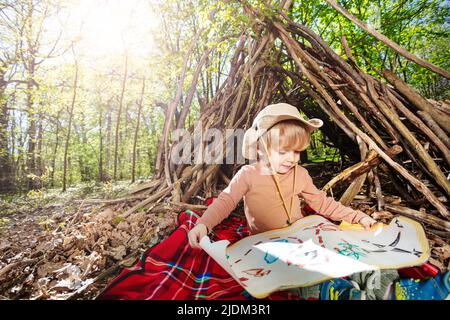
(100, 158)
(55, 151)
(39, 156)
(6, 170)
(136, 132)
(119, 113)
(31, 157)
(69, 127)
(108, 144)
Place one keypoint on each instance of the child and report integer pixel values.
(275, 140)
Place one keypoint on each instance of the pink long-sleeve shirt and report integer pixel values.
(263, 206)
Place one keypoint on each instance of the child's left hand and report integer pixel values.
(367, 222)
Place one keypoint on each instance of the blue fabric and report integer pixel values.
(437, 288)
(339, 289)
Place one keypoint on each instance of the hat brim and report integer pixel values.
(252, 135)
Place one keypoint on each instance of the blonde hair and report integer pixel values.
(292, 135)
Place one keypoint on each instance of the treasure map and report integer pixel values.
(313, 250)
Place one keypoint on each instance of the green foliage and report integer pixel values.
(419, 26)
(318, 151)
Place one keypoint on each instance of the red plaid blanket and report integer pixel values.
(173, 270)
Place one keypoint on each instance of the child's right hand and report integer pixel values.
(196, 233)
(367, 222)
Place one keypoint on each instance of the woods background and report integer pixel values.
(84, 87)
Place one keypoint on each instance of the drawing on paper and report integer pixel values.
(314, 249)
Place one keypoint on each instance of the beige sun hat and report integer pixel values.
(267, 118)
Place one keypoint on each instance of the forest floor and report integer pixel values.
(57, 245)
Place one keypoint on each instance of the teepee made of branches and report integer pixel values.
(379, 122)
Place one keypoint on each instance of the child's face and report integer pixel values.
(283, 160)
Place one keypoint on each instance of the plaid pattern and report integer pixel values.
(172, 270)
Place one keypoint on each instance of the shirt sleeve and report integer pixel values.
(226, 202)
(324, 205)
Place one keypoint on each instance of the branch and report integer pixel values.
(388, 42)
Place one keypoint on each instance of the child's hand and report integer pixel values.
(367, 222)
(196, 233)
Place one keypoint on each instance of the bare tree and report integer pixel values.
(119, 114)
(136, 132)
(69, 127)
